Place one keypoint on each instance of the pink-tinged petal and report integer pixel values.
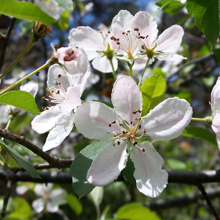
(72, 99)
(126, 98)
(147, 27)
(103, 64)
(150, 178)
(92, 119)
(108, 164)
(53, 73)
(168, 119)
(121, 22)
(215, 96)
(61, 130)
(52, 206)
(46, 120)
(38, 205)
(216, 127)
(31, 87)
(170, 57)
(88, 39)
(170, 40)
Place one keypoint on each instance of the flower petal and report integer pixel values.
(31, 87)
(72, 99)
(168, 119)
(216, 127)
(215, 96)
(107, 166)
(88, 39)
(38, 205)
(46, 120)
(61, 130)
(150, 178)
(169, 41)
(126, 98)
(147, 26)
(92, 119)
(103, 64)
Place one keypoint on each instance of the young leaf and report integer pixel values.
(25, 10)
(207, 17)
(135, 211)
(176, 165)
(20, 99)
(170, 6)
(74, 203)
(128, 172)
(200, 133)
(153, 90)
(80, 166)
(22, 161)
(67, 4)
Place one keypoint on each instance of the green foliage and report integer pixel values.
(22, 161)
(20, 99)
(22, 210)
(67, 4)
(153, 90)
(184, 94)
(74, 203)
(207, 17)
(128, 172)
(135, 211)
(175, 164)
(200, 133)
(170, 6)
(217, 54)
(25, 10)
(80, 166)
(63, 23)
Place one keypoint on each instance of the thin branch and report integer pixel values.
(5, 42)
(182, 201)
(202, 190)
(53, 161)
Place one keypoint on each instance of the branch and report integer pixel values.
(54, 162)
(182, 201)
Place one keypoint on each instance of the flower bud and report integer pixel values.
(40, 30)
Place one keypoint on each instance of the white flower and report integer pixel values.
(65, 91)
(124, 127)
(49, 198)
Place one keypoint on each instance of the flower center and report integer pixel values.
(55, 96)
(130, 132)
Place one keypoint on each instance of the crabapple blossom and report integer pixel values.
(97, 46)
(215, 102)
(124, 127)
(64, 92)
(48, 198)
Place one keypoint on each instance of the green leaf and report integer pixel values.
(135, 211)
(67, 4)
(22, 161)
(74, 203)
(128, 172)
(153, 90)
(170, 6)
(207, 17)
(217, 54)
(184, 94)
(20, 99)
(176, 164)
(23, 148)
(96, 196)
(200, 133)
(80, 166)
(25, 10)
(63, 23)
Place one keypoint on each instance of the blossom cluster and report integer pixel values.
(128, 132)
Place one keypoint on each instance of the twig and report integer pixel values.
(53, 161)
(202, 190)
(182, 201)
(5, 42)
(7, 196)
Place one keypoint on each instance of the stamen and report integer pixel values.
(131, 122)
(108, 132)
(136, 29)
(120, 124)
(113, 122)
(139, 127)
(109, 125)
(118, 142)
(59, 75)
(113, 143)
(144, 131)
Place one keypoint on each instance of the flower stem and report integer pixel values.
(48, 63)
(206, 119)
(33, 41)
(130, 67)
(139, 84)
(113, 71)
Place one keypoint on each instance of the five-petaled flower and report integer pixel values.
(124, 127)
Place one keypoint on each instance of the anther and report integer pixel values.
(139, 127)
(115, 135)
(43, 98)
(59, 75)
(58, 91)
(117, 39)
(118, 142)
(134, 112)
(138, 110)
(142, 37)
(136, 29)
(109, 125)
(143, 149)
(135, 143)
(118, 43)
(47, 95)
(113, 122)
(131, 122)
(144, 131)
(120, 124)
(113, 143)
(49, 100)
(128, 31)
(57, 83)
(147, 36)
(108, 132)
(109, 32)
(123, 32)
